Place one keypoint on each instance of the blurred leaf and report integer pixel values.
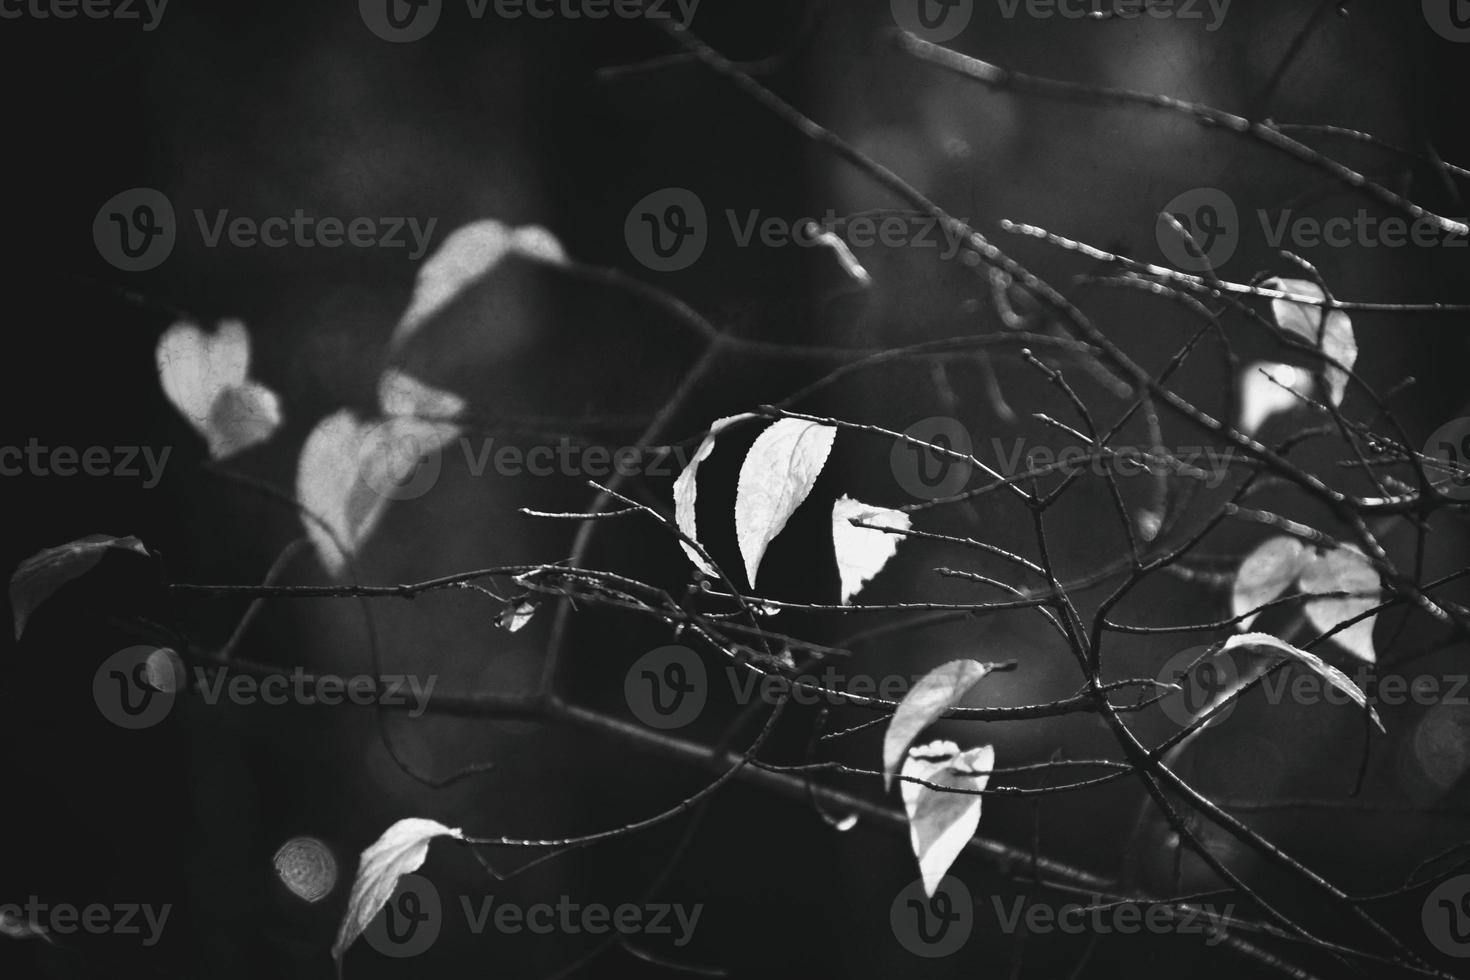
(1268, 389)
(686, 492)
(1266, 574)
(939, 690)
(38, 577)
(400, 851)
(1331, 331)
(861, 551)
(1344, 569)
(778, 473)
(940, 823)
(401, 394)
(467, 255)
(206, 377)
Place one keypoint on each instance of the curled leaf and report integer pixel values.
(778, 473)
(686, 491)
(205, 376)
(1255, 641)
(467, 255)
(1331, 331)
(1266, 574)
(942, 823)
(861, 551)
(38, 577)
(938, 691)
(400, 851)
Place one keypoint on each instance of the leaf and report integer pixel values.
(1268, 389)
(861, 551)
(400, 851)
(686, 491)
(466, 256)
(514, 617)
(38, 577)
(401, 394)
(205, 376)
(1333, 676)
(1266, 574)
(347, 474)
(939, 690)
(940, 823)
(1332, 335)
(778, 473)
(1344, 569)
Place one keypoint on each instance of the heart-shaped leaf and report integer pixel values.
(206, 377)
(38, 577)
(778, 473)
(1344, 569)
(400, 851)
(1266, 574)
(350, 469)
(938, 691)
(1268, 389)
(686, 492)
(467, 255)
(861, 551)
(1331, 331)
(1254, 642)
(942, 823)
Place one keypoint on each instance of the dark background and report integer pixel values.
(265, 108)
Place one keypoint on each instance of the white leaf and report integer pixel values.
(686, 492)
(861, 551)
(206, 377)
(348, 472)
(1344, 569)
(402, 394)
(38, 577)
(515, 618)
(1268, 389)
(1333, 336)
(400, 851)
(1333, 676)
(778, 473)
(940, 823)
(467, 255)
(1266, 574)
(939, 690)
